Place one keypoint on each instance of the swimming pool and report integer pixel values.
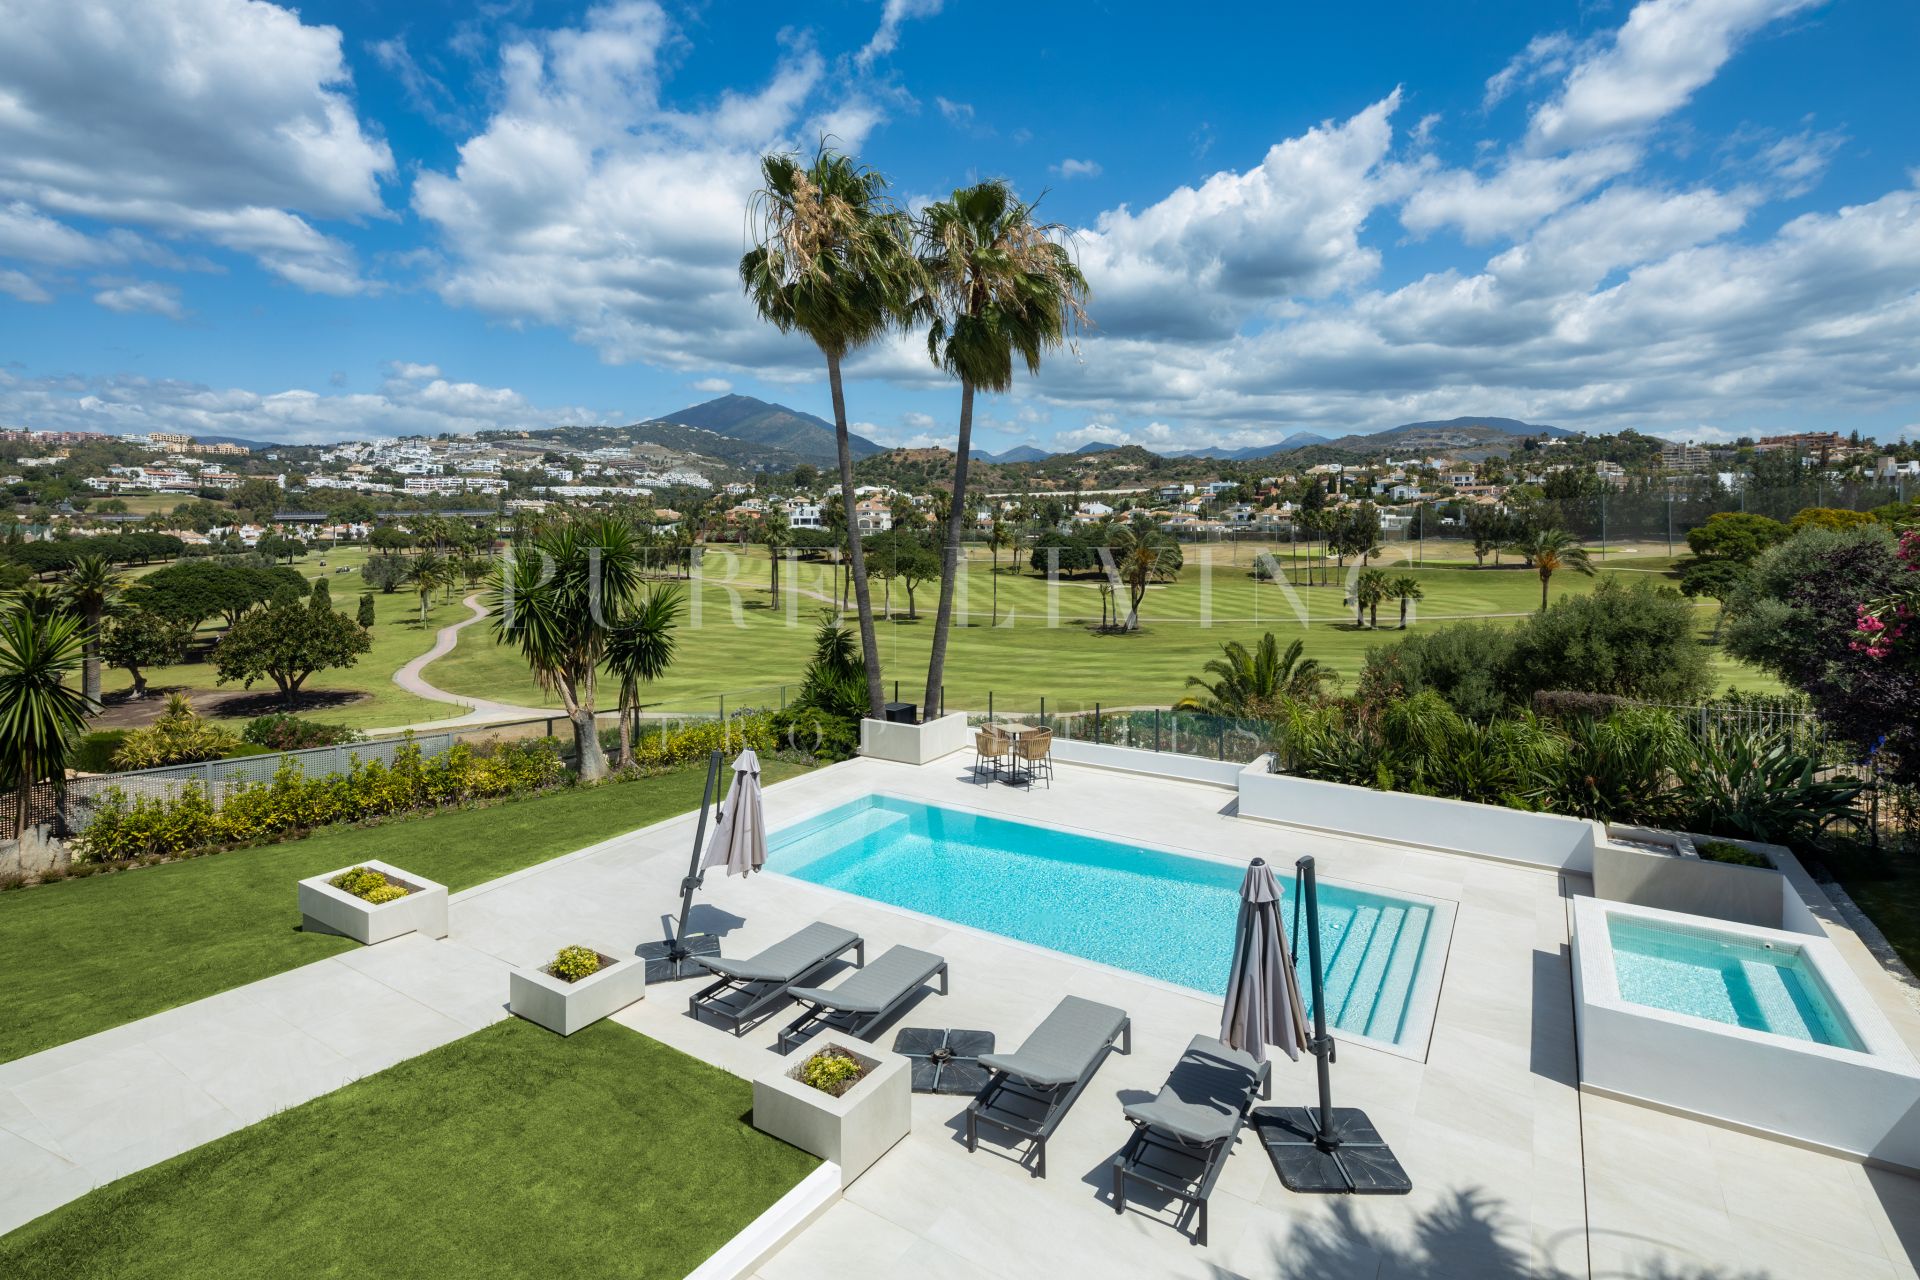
(1744, 982)
(1161, 914)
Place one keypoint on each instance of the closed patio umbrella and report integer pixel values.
(1263, 994)
(740, 833)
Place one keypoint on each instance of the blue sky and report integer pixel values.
(1694, 217)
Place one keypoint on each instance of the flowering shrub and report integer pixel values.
(690, 744)
(365, 882)
(571, 964)
(1880, 626)
(157, 826)
(832, 1071)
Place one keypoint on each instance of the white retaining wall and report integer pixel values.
(1164, 764)
(915, 743)
(1453, 826)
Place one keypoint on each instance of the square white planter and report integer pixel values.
(325, 909)
(915, 743)
(852, 1130)
(566, 1007)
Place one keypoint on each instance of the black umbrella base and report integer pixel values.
(670, 962)
(944, 1061)
(1357, 1161)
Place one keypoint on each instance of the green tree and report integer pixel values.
(1549, 551)
(776, 535)
(1369, 590)
(1736, 536)
(384, 573)
(258, 497)
(138, 638)
(1406, 589)
(639, 650)
(287, 641)
(1716, 579)
(832, 259)
(1636, 642)
(321, 597)
(428, 574)
(1141, 559)
(365, 617)
(195, 590)
(1251, 684)
(553, 598)
(41, 715)
(915, 562)
(92, 588)
(999, 284)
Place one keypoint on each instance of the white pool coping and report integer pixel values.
(1423, 996)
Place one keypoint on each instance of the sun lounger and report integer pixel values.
(1032, 1089)
(748, 988)
(1181, 1139)
(864, 1000)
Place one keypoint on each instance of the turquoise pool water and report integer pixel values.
(1726, 978)
(1155, 913)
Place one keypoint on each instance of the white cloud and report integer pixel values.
(1909, 432)
(128, 403)
(1077, 169)
(222, 120)
(1699, 433)
(586, 204)
(893, 15)
(1198, 263)
(1518, 194)
(1664, 53)
(1544, 57)
(917, 421)
(713, 386)
(22, 287)
(142, 295)
(408, 371)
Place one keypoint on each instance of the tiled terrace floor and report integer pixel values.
(1516, 1172)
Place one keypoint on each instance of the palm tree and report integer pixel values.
(998, 285)
(552, 597)
(429, 573)
(1252, 684)
(999, 538)
(92, 587)
(41, 716)
(776, 535)
(1405, 588)
(832, 259)
(1141, 559)
(1368, 591)
(639, 651)
(1549, 551)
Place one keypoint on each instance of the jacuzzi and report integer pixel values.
(1759, 1028)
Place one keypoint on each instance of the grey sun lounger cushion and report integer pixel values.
(787, 960)
(1205, 1098)
(877, 987)
(1062, 1048)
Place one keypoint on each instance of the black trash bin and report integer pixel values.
(903, 712)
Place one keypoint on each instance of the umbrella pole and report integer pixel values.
(671, 959)
(1322, 1149)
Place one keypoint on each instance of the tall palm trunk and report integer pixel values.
(1546, 576)
(856, 557)
(994, 549)
(90, 664)
(950, 558)
(773, 555)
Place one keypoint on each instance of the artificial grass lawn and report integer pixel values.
(81, 956)
(512, 1152)
(743, 643)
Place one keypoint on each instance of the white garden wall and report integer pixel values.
(1163, 764)
(915, 743)
(1453, 826)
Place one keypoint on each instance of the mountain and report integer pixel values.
(242, 442)
(1286, 444)
(770, 426)
(1096, 446)
(1019, 453)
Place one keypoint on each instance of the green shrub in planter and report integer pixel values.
(362, 882)
(384, 893)
(832, 1071)
(1727, 851)
(571, 964)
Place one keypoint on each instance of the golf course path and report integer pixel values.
(480, 710)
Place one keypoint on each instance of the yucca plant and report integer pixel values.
(1623, 767)
(41, 715)
(1760, 786)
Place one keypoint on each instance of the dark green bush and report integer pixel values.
(1727, 851)
(571, 964)
(822, 735)
(283, 732)
(96, 750)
